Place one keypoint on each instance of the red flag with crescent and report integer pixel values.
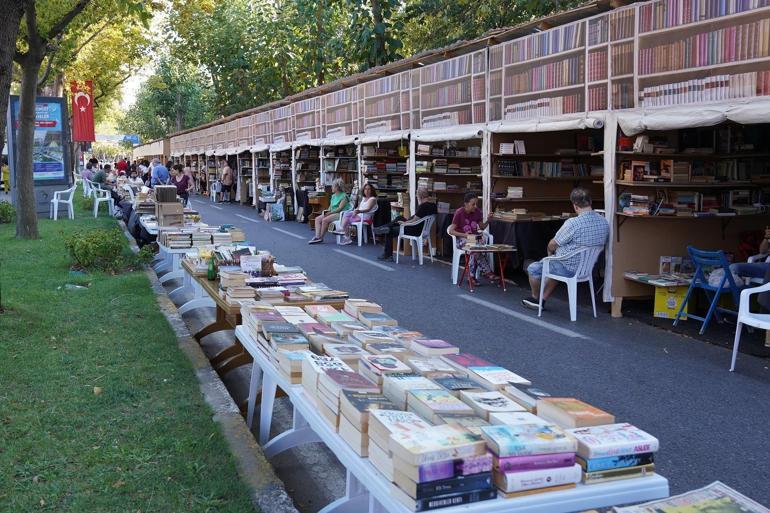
(82, 111)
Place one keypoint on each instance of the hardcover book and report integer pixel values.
(436, 443)
(612, 440)
(569, 412)
(527, 440)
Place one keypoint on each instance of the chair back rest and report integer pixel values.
(70, 192)
(702, 259)
(129, 190)
(588, 257)
(427, 225)
(368, 216)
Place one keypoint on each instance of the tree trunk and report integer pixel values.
(178, 110)
(379, 38)
(26, 224)
(9, 29)
(319, 43)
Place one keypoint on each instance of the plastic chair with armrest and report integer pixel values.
(418, 241)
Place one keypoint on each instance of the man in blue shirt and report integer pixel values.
(160, 174)
(588, 229)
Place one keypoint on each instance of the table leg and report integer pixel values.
(256, 377)
(502, 259)
(269, 387)
(225, 354)
(233, 363)
(617, 307)
(200, 299)
(300, 433)
(469, 266)
(186, 284)
(220, 324)
(356, 498)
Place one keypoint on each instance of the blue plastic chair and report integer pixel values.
(710, 260)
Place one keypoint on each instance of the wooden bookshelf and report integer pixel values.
(340, 113)
(339, 162)
(307, 119)
(386, 166)
(283, 124)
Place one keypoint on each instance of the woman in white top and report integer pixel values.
(367, 204)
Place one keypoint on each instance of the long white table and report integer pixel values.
(368, 490)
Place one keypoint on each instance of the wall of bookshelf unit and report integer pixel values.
(532, 174)
(339, 161)
(283, 124)
(340, 113)
(307, 165)
(307, 119)
(448, 170)
(451, 92)
(386, 166)
(245, 177)
(383, 104)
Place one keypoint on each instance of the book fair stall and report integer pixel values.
(604, 100)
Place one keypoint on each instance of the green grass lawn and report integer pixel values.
(147, 442)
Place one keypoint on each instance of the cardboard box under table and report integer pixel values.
(169, 214)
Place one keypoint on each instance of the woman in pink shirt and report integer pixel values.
(469, 220)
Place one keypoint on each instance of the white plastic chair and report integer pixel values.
(366, 219)
(88, 188)
(418, 241)
(63, 198)
(584, 272)
(103, 196)
(457, 253)
(130, 191)
(761, 257)
(757, 320)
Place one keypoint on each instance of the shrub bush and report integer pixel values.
(7, 212)
(104, 250)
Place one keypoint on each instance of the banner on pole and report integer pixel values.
(82, 111)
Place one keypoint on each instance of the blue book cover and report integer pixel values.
(616, 462)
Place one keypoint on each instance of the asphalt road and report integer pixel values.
(712, 424)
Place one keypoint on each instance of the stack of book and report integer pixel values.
(485, 403)
(200, 239)
(348, 353)
(375, 366)
(569, 412)
(392, 348)
(354, 417)
(614, 451)
(175, 239)
(490, 376)
(432, 404)
(515, 192)
(290, 365)
(423, 454)
(221, 238)
(235, 295)
(327, 314)
(313, 366)
(382, 423)
(432, 367)
(425, 183)
(433, 347)
(532, 458)
(396, 386)
(422, 166)
(372, 319)
(229, 279)
(365, 338)
(331, 384)
(353, 307)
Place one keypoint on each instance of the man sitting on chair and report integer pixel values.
(587, 229)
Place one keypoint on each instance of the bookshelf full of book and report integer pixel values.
(307, 119)
(281, 169)
(261, 128)
(283, 124)
(307, 166)
(452, 92)
(245, 177)
(340, 113)
(448, 170)
(261, 163)
(381, 104)
(386, 166)
(339, 161)
(704, 187)
(532, 175)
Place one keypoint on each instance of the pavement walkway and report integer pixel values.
(712, 423)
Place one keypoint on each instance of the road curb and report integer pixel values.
(266, 489)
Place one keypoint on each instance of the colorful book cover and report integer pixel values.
(458, 384)
(490, 401)
(288, 338)
(615, 462)
(386, 348)
(344, 350)
(350, 380)
(266, 316)
(397, 420)
(384, 363)
(472, 423)
(498, 376)
(364, 402)
(343, 328)
(613, 440)
(436, 443)
(535, 462)
(452, 468)
(320, 363)
(466, 360)
(432, 343)
(376, 318)
(335, 316)
(278, 327)
(439, 401)
(315, 327)
(527, 439)
(430, 365)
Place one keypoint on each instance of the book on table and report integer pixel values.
(384, 422)
(348, 353)
(371, 319)
(394, 349)
(433, 347)
(344, 329)
(569, 412)
(432, 403)
(527, 440)
(374, 366)
(484, 403)
(436, 443)
(270, 328)
(472, 423)
(354, 417)
(290, 364)
(396, 386)
(288, 341)
(512, 418)
(431, 366)
(494, 377)
(366, 337)
(511, 482)
(319, 342)
(524, 399)
(353, 307)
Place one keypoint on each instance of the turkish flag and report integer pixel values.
(83, 112)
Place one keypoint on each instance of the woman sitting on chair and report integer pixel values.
(367, 204)
(468, 220)
(338, 204)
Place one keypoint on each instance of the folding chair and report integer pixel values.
(703, 261)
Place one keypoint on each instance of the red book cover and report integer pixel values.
(467, 360)
(349, 380)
